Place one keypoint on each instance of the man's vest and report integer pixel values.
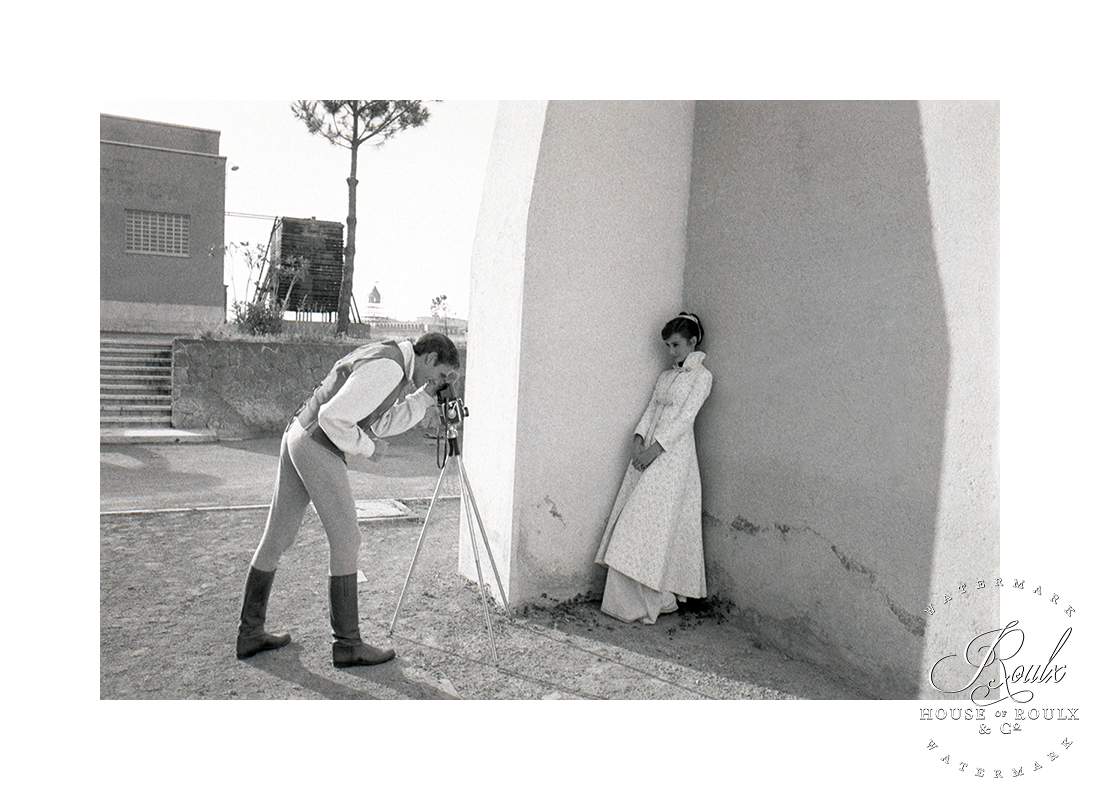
(335, 380)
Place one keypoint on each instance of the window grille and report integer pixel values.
(157, 233)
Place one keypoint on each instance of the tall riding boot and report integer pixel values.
(251, 638)
(348, 648)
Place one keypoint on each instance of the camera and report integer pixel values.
(451, 413)
(451, 408)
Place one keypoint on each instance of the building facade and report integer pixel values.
(843, 258)
(162, 227)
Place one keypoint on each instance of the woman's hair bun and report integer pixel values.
(686, 324)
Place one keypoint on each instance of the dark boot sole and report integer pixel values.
(381, 658)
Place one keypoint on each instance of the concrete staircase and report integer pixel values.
(135, 392)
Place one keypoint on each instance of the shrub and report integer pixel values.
(256, 317)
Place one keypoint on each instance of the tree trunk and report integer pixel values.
(343, 305)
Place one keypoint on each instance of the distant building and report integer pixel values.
(374, 309)
(162, 227)
(382, 325)
(455, 327)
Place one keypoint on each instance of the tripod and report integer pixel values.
(451, 414)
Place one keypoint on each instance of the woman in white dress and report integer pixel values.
(653, 544)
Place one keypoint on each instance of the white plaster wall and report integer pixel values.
(493, 344)
(813, 254)
(602, 271)
(961, 146)
(843, 257)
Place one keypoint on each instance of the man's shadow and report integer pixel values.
(286, 664)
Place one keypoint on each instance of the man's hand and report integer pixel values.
(433, 385)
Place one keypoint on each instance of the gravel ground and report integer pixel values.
(171, 585)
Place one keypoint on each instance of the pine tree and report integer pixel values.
(351, 123)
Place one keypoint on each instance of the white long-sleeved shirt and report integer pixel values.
(363, 391)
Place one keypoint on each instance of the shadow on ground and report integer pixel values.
(171, 587)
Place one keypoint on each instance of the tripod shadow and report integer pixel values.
(286, 664)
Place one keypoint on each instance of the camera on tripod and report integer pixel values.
(451, 409)
(451, 413)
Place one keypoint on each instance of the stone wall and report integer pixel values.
(243, 389)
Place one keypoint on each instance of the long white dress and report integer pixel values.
(653, 543)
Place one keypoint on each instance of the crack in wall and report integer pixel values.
(913, 623)
(742, 525)
(553, 508)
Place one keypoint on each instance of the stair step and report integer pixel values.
(135, 386)
(133, 379)
(144, 344)
(135, 401)
(134, 409)
(140, 373)
(143, 352)
(130, 399)
(135, 392)
(133, 422)
(144, 355)
(136, 341)
(134, 370)
(137, 359)
(160, 435)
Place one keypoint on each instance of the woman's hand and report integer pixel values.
(647, 456)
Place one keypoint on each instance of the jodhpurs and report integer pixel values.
(308, 471)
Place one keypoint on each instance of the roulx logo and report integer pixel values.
(996, 657)
(1004, 665)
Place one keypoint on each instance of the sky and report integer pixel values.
(417, 201)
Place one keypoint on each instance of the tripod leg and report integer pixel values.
(480, 579)
(481, 527)
(419, 544)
